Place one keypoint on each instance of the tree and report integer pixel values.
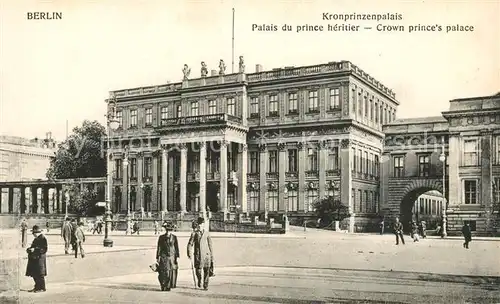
(329, 209)
(80, 155)
(83, 203)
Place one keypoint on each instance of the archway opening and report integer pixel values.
(422, 204)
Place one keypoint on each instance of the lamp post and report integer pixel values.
(113, 124)
(142, 203)
(442, 158)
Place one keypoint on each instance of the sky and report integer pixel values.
(53, 71)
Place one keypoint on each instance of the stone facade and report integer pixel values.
(262, 144)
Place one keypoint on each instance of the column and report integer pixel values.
(109, 179)
(34, 199)
(11, 200)
(140, 173)
(242, 184)
(125, 202)
(1, 194)
(58, 199)
(346, 178)
(262, 178)
(302, 176)
(23, 200)
(183, 175)
(454, 187)
(154, 193)
(486, 177)
(45, 199)
(281, 175)
(164, 179)
(323, 156)
(385, 166)
(203, 178)
(223, 177)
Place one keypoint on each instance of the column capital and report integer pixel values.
(182, 146)
(344, 143)
(157, 152)
(301, 145)
(281, 146)
(244, 147)
(202, 144)
(139, 154)
(223, 143)
(324, 144)
(262, 147)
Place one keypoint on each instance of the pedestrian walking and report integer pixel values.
(200, 249)
(79, 240)
(423, 229)
(135, 228)
(414, 231)
(66, 234)
(156, 227)
(398, 231)
(37, 260)
(47, 225)
(167, 253)
(73, 238)
(382, 227)
(467, 235)
(24, 232)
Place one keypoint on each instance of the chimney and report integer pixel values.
(213, 73)
(258, 68)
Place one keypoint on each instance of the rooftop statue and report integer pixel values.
(186, 71)
(242, 65)
(204, 70)
(222, 67)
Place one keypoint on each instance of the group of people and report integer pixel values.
(199, 251)
(73, 235)
(418, 230)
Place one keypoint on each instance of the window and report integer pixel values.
(292, 103)
(353, 101)
(212, 107)
(273, 105)
(381, 115)
(470, 191)
(354, 162)
(471, 149)
(312, 196)
(422, 207)
(149, 117)
(179, 111)
(254, 200)
(273, 161)
(118, 168)
(371, 109)
(133, 118)
(159, 164)
(312, 156)
(365, 202)
(360, 105)
(193, 165)
(366, 163)
(164, 115)
(334, 99)
(254, 162)
(231, 106)
(292, 160)
(230, 160)
(424, 165)
(366, 107)
(376, 113)
(498, 150)
(313, 102)
(376, 165)
(254, 107)
(148, 163)
(133, 168)
(358, 207)
(194, 108)
(398, 166)
(360, 161)
(293, 201)
(333, 159)
(496, 190)
(472, 225)
(119, 118)
(272, 199)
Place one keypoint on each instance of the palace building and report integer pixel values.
(266, 143)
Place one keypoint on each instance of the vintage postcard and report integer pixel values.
(249, 151)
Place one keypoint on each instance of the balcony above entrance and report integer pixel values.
(198, 122)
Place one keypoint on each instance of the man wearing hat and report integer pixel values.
(200, 248)
(37, 260)
(167, 253)
(66, 232)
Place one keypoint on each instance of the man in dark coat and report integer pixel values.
(167, 253)
(397, 228)
(66, 233)
(37, 260)
(467, 235)
(200, 248)
(73, 237)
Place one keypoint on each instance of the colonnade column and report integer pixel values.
(203, 178)
(164, 179)
(223, 177)
(140, 173)
(346, 179)
(281, 176)
(323, 155)
(302, 176)
(183, 175)
(125, 196)
(242, 185)
(23, 200)
(154, 191)
(262, 179)
(58, 199)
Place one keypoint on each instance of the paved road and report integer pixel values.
(317, 268)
